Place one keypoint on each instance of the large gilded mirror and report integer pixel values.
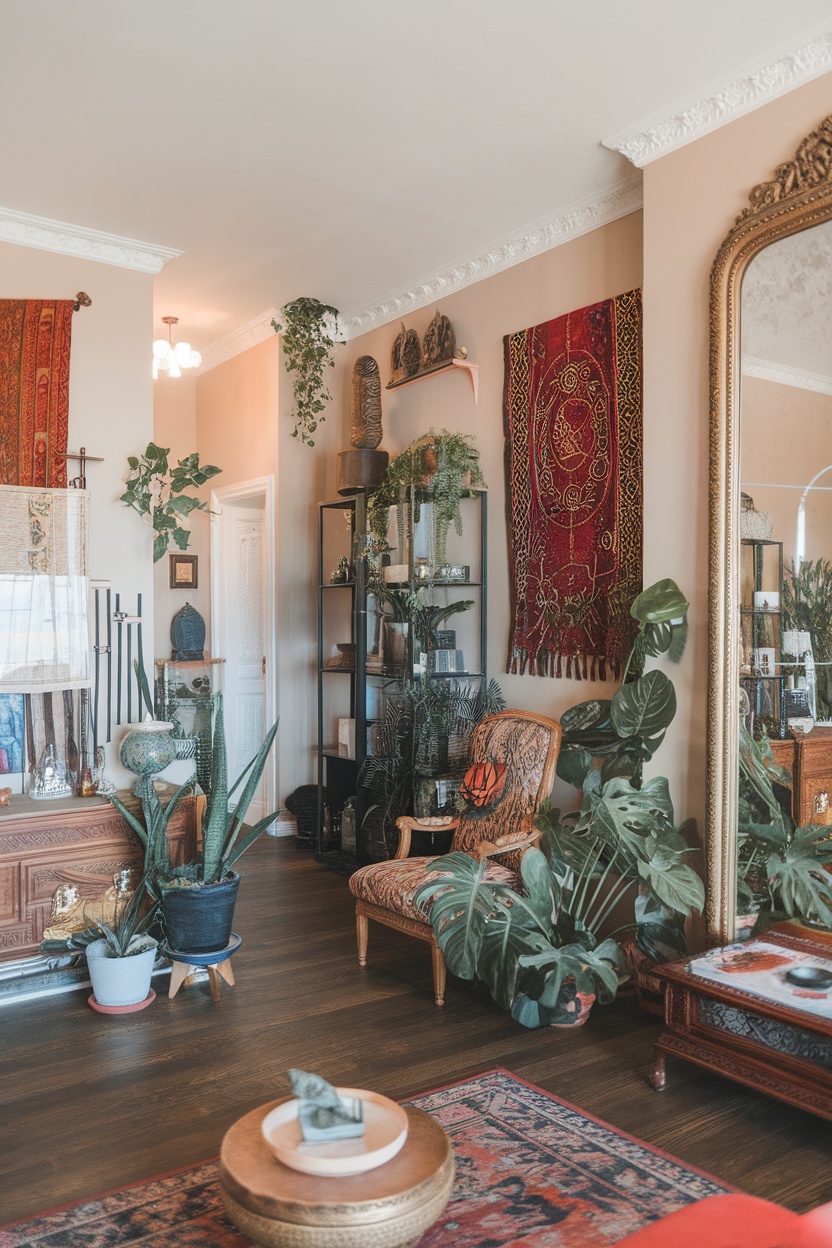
(770, 590)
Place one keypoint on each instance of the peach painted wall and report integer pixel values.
(596, 266)
(110, 410)
(785, 438)
(174, 426)
(243, 424)
(691, 198)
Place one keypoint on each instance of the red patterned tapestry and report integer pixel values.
(573, 494)
(34, 390)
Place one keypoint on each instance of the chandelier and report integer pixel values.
(171, 359)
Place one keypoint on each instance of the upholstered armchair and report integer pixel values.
(523, 749)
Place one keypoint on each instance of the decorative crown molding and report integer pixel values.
(767, 370)
(582, 217)
(238, 341)
(76, 240)
(733, 100)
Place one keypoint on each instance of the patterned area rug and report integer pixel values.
(532, 1172)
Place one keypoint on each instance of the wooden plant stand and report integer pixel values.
(218, 966)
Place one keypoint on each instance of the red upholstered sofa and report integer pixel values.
(736, 1221)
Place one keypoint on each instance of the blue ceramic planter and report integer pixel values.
(199, 920)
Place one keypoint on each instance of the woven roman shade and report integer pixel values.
(44, 587)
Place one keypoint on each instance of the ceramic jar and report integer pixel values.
(148, 748)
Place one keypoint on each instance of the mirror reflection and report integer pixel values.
(784, 821)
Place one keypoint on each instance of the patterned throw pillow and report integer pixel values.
(482, 786)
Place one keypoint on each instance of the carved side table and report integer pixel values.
(781, 1047)
(389, 1207)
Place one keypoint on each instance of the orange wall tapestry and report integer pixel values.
(34, 390)
(573, 426)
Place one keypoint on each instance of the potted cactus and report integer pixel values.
(197, 899)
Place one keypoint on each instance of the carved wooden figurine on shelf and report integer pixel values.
(406, 359)
(439, 342)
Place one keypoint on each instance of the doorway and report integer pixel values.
(243, 626)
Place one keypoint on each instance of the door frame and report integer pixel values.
(258, 487)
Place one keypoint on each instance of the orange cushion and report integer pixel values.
(735, 1220)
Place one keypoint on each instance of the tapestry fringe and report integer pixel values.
(556, 664)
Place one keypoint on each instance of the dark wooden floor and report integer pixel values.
(89, 1103)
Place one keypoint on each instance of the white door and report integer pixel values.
(240, 597)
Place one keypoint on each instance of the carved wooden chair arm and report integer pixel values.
(506, 844)
(407, 824)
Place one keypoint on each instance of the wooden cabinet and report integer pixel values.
(72, 841)
(809, 759)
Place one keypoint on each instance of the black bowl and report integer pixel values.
(810, 977)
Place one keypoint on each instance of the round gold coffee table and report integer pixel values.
(389, 1207)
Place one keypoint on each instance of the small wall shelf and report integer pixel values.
(473, 371)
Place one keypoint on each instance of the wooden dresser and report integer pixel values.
(809, 759)
(81, 841)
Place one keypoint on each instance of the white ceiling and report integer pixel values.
(344, 148)
(787, 309)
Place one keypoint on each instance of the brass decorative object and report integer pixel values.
(439, 342)
(366, 403)
(799, 195)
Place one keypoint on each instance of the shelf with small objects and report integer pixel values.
(184, 697)
(762, 675)
(426, 663)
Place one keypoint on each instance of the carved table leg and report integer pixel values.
(658, 1076)
(438, 975)
(362, 928)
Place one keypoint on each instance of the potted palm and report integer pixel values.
(197, 899)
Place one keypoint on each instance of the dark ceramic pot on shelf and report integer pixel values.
(199, 920)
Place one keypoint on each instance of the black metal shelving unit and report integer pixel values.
(346, 681)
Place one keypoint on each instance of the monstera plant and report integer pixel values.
(541, 952)
(538, 951)
(780, 869)
(605, 746)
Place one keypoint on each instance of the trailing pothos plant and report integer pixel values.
(308, 346)
(443, 466)
(157, 492)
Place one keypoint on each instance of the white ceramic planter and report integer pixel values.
(119, 981)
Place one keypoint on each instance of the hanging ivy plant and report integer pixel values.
(308, 348)
(155, 491)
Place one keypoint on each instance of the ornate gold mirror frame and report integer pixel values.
(798, 196)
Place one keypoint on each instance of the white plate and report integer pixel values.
(385, 1131)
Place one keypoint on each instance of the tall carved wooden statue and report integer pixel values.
(363, 467)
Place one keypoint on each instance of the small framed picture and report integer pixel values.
(184, 572)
